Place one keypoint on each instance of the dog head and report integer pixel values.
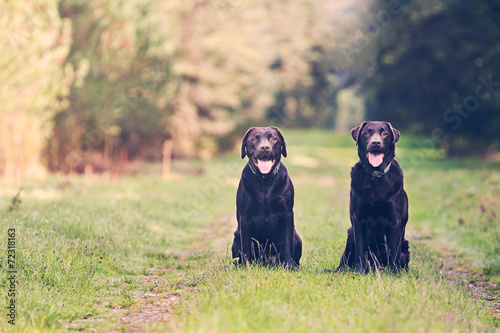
(376, 141)
(263, 146)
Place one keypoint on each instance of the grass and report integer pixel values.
(268, 300)
(138, 253)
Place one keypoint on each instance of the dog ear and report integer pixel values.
(244, 143)
(395, 133)
(357, 130)
(283, 142)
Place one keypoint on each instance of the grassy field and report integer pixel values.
(138, 253)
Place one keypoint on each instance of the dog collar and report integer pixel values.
(378, 174)
(269, 175)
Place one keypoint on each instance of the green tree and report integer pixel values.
(430, 61)
(34, 82)
(114, 103)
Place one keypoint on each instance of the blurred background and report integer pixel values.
(95, 86)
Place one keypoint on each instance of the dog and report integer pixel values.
(264, 203)
(378, 203)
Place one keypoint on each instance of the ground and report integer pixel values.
(112, 254)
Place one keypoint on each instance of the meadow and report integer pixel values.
(138, 253)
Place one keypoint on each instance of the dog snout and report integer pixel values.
(265, 148)
(375, 142)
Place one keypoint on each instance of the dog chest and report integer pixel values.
(270, 227)
(375, 215)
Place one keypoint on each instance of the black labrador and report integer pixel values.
(264, 203)
(378, 203)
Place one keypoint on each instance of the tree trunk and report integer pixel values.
(167, 159)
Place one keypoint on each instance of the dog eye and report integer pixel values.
(366, 133)
(273, 139)
(254, 140)
(384, 133)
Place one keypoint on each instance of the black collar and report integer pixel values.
(269, 175)
(378, 174)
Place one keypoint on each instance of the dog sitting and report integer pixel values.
(378, 203)
(264, 203)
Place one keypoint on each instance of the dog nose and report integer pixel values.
(376, 144)
(265, 148)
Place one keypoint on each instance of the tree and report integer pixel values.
(34, 82)
(114, 104)
(220, 51)
(431, 61)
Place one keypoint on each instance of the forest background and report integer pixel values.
(97, 85)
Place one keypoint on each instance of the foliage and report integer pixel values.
(97, 84)
(114, 103)
(34, 81)
(193, 72)
(433, 60)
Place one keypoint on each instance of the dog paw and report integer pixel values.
(291, 266)
(362, 268)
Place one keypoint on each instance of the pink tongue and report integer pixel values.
(375, 160)
(264, 166)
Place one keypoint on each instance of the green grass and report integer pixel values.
(142, 253)
(260, 299)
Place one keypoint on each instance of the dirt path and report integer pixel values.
(463, 271)
(157, 305)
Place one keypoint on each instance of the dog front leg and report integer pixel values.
(348, 257)
(394, 238)
(288, 246)
(245, 241)
(358, 230)
(359, 244)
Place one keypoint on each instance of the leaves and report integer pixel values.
(432, 62)
(34, 80)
